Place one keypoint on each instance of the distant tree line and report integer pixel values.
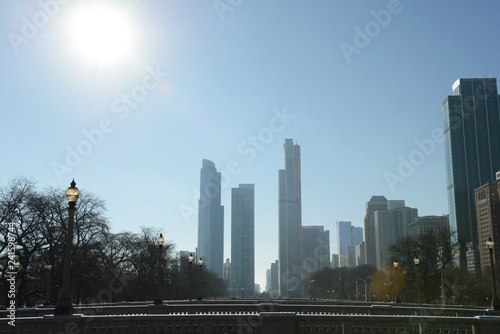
(106, 267)
(406, 282)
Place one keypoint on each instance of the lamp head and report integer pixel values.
(161, 240)
(395, 263)
(190, 258)
(416, 261)
(72, 193)
(200, 261)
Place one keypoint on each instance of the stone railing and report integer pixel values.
(262, 323)
(248, 307)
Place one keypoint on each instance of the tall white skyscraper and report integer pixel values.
(211, 219)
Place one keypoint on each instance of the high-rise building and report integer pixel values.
(335, 261)
(316, 248)
(390, 227)
(274, 279)
(344, 233)
(488, 213)
(375, 203)
(471, 120)
(290, 222)
(349, 236)
(211, 219)
(357, 235)
(243, 238)
(360, 254)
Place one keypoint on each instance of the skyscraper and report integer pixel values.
(348, 236)
(290, 222)
(242, 238)
(211, 219)
(472, 152)
(375, 203)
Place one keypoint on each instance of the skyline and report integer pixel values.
(201, 87)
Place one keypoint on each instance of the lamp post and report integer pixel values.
(63, 306)
(190, 258)
(242, 292)
(47, 296)
(159, 300)
(490, 245)
(395, 264)
(234, 289)
(312, 288)
(200, 263)
(417, 262)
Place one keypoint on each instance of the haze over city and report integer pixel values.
(358, 86)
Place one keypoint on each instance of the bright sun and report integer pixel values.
(101, 34)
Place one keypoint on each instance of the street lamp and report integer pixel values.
(417, 262)
(190, 258)
(242, 292)
(312, 288)
(200, 263)
(63, 306)
(47, 296)
(158, 300)
(490, 245)
(395, 264)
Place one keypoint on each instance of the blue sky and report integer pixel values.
(207, 79)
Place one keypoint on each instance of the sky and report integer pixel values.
(357, 84)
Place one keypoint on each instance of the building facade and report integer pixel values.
(472, 152)
(390, 227)
(211, 219)
(290, 222)
(243, 238)
(488, 213)
(316, 249)
(425, 224)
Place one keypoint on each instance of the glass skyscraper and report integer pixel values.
(211, 219)
(290, 222)
(472, 152)
(243, 239)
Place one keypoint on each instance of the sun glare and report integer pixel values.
(101, 34)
